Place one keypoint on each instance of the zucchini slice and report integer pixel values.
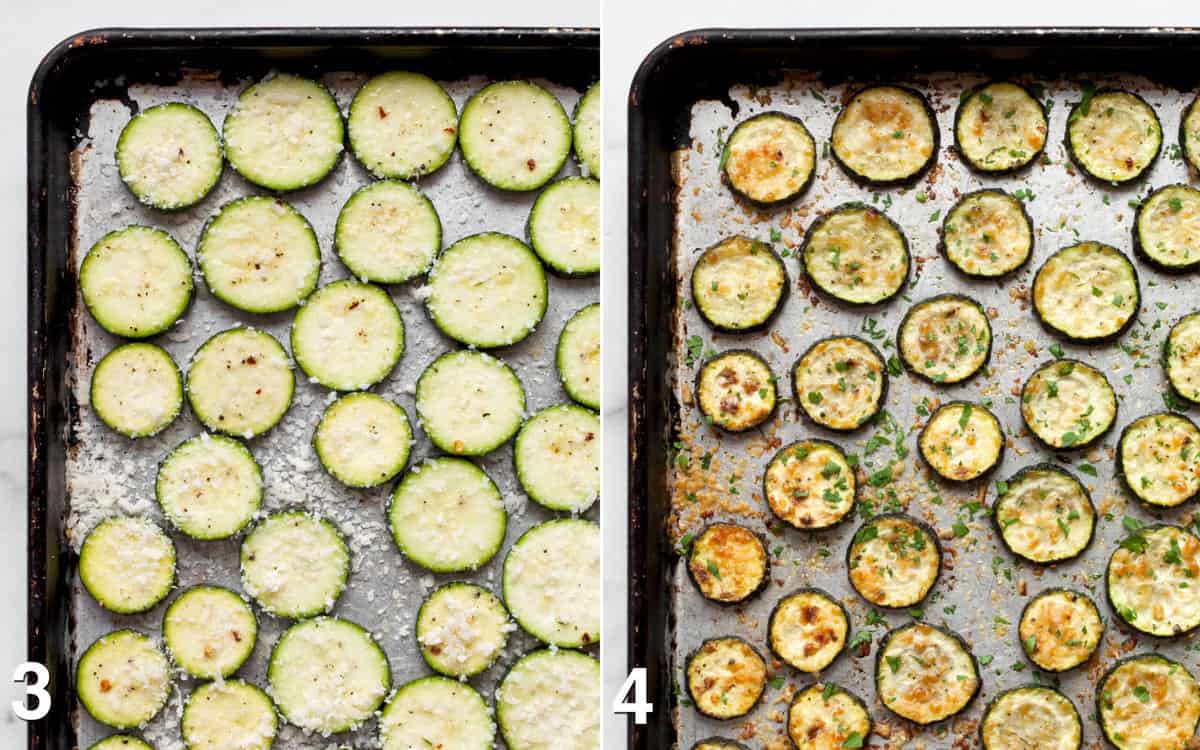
(1087, 292)
(228, 714)
(1031, 716)
(123, 679)
(577, 357)
(1151, 580)
(328, 675)
(810, 485)
(551, 582)
(259, 255)
(240, 382)
(127, 564)
(462, 629)
(736, 390)
(856, 255)
(1181, 358)
(388, 233)
(548, 700)
(1045, 515)
(437, 712)
(169, 156)
(137, 390)
(1000, 127)
(294, 564)
(469, 403)
(564, 226)
(1113, 136)
(487, 290)
(557, 455)
(769, 159)
(209, 631)
(808, 629)
(120, 742)
(728, 563)
(1166, 230)
(1148, 702)
(894, 560)
(739, 284)
(825, 716)
(925, 674)
(586, 131)
(209, 487)
(1060, 629)
(987, 234)
(402, 125)
(363, 440)
(840, 382)
(1068, 404)
(348, 336)
(514, 135)
(285, 133)
(961, 441)
(136, 282)
(885, 135)
(718, 743)
(447, 516)
(1189, 133)
(1158, 458)
(945, 339)
(726, 677)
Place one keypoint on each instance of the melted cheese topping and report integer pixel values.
(515, 135)
(209, 631)
(857, 255)
(564, 226)
(548, 701)
(230, 715)
(209, 487)
(1189, 131)
(1168, 226)
(127, 564)
(808, 630)
(1183, 357)
(1000, 127)
(810, 485)
(925, 674)
(946, 339)
(1160, 459)
(1068, 404)
(437, 713)
(1116, 137)
(363, 439)
(240, 382)
(578, 356)
(136, 281)
(136, 390)
(1063, 628)
(1087, 291)
(462, 628)
(839, 382)
(123, 680)
(469, 402)
(388, 232)
(816, 722)
(893, 561)
(718, 744)
(558, 458)
(1154, 580)
(1149, 703)
(348, 336)
(170, 155)
(738, 283)
(552, 582)
(736, 390)
(885, 134)
(1032, 717)
(961, 441)
(294, 564)
(770, 157)
(124, 742)
(402, 125)
(1045, 515)
(587, 131)
(727, 562)
(726, 677)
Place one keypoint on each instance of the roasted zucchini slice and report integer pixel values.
(840, 382)
(564, 227)
(987, 234)
(402, 125)
(136, 282)
(718, 743)
(1148, 702)
(736, 390)
(739, 284)
(514, 135)
(945, 339)
(726, 677)
(1068, 404)
(123, 679)
(125, 742)
(226, 714)
(1000, 127)
(136, 390)
(885, 135)
(209, 631)
(1045, 515)
(961, 441)
(1189, 133)
(769, 159)
(1060, 629)
(127, 564)
(924, 673)
(1152, 580)
(1166, 231)
(1158, 457)
(728, 563)
(1181, 357)
(462, 629)
(551, 582)
(824, 717)
(437, 712)
(894, 560)
(856, 255)
(1113, 136)
(810, 485)
(1034, 716)
(548, 700)
(585, 133)
(808, 629)
(1086, 292)
(169, 156)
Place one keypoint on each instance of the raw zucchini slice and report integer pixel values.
(259, 255)
(209, 631)
(1032, 716)
(548, 700)
(1152, 580)
(228, 714)
(469, 403)
(726, 677)
(487, 290)
(294, 564)
(739, 284)
(120, 742)
(961, 441)
(856, 255)
(514, 135)
(736, 391)
(363, 440)
(577, 357)
(328, 675)
(552, 582)
(1068, 404)
(209, 487)
(1181, 357)
(728, 563)
(1000, 128)
(924, 673)
(1045, 515)
(123, 679)
(1087, 292)
(810, 485)
(894, 560)
(388, 232)
(987, 234)
(769, 159)
(557, 454)
(564, 227)
(1113, 136)
(1060, 629)
(284, 133)
(127, 564)
(808, 629)
(137, 390)
(169, 156)
(136, 282)
(885, 135)
(1148, 702)
(586, 132)
(1158, 457)
(402, 125)
(945, 339)
(1189, 133)
(840, 382)
(437, 712)
(447, 516)
(1166, 230)
(348, 336)
(462, 629)
(240, 382)
(824, 716)
(718, 743)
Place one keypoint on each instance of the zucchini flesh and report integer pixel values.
(1152, 581)
(856, 255)
(388, 232)
(1166, 230)
(1181, 357)
(810, 485)
(1068, 404)
(987, 234)
(726, 677)
(1113, 136)
(136, 282)
(363, 440)
(1032, 716)
(127, 564)
(120, 742)
(769, 158)
(437, 712)
(548, 699)
(808, 629)
(123, 679)
(294, 564)
(586, 131)
(840, 382)
(1189, 133)
(718, 743)
(1086, 292)
(825, 717)
(469, 403)
(1045, 515)
(169, 156)
(557, 455)
(1159, 459)
(137, 390)
(1060, 629)
(925, 674)
(228, 714)
(1148, 702)
(462, 629)
(728, 563)
(551, 582)
(1000, 127)
(739, 284)
(736, 390)
(894, 560)
(209, 487)
(348, 336)
(564, 226)
(961, 441)
(945, 339)
(240, 382)
(402, 125)
(885, 135)
(577, 357)
(514, 135)
(209, 631)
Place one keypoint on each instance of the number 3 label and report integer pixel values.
(35, 692)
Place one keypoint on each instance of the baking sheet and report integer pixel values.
(982, 588)
(108, 474)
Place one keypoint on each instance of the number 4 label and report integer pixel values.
(35, 692)
(635, 685)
